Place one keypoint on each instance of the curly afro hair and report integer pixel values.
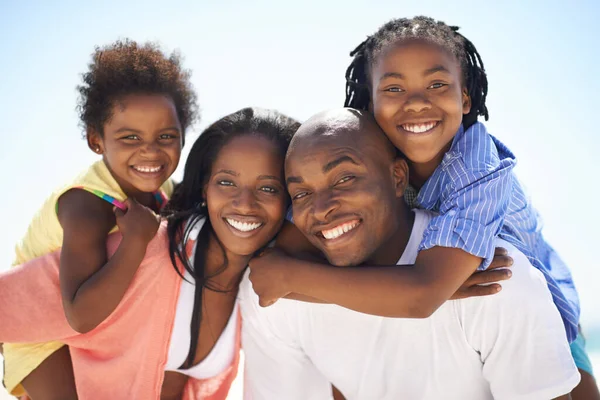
(124, 68)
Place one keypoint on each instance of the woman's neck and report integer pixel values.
(223, 277)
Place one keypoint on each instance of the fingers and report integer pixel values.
(118, 212)
(484, 277)
(500, 251)
(478, 291)
(501, 261)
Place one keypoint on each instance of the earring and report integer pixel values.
(203, 204)
(97, 149)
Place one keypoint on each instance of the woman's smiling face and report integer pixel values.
(245, 194)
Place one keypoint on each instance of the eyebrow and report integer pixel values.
(437, 68)
(340, 160)
(326, 168)
(228, 172)
(265, 177)
(430, 71)
(392, 75)
(294, 179)
(126, 129)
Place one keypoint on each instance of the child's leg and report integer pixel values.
(587, 388)
(53, 379)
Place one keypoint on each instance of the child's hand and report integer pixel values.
(268, 275)
(137, 221)
(478, 284)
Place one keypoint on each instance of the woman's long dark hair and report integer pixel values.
(186, 206)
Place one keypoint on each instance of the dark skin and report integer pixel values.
(392, 292)
(141, 146)
(337, 186)
(246, 184)
(415, 81)
(143, 134)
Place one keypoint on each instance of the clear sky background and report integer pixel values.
(541, 57)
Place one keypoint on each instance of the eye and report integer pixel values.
(131, 137)
(345, 179)
(224, 182)
(394, 90)
(299, 196)
(167, 136)
(269, 189)
(437, 85)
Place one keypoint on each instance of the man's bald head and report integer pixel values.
(346, 185)
(343, 125)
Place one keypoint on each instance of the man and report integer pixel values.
(346, 183)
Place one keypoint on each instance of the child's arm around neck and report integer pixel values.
(388, 291)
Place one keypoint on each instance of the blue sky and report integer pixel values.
(541, 58)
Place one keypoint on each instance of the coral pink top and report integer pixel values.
(125, 356)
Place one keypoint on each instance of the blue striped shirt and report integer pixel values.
(478, 197)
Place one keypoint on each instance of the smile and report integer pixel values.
(147, 169)
(340, 230)
(243, 226)
(420, 128)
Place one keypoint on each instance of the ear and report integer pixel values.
(466, 101)
(400, 175)
(94, 140)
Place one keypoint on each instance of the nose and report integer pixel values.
(417, 102)
(324, 204)
(245, 201)
(150, 148)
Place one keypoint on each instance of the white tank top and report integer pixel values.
(223, 352)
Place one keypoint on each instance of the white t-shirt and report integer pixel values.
(511, 345)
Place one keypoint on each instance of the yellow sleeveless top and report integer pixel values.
(45, 235)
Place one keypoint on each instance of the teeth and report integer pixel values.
(339, 230)
(147, 169)
(419, 128)
(243, 226)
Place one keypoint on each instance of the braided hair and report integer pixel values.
(425, 28)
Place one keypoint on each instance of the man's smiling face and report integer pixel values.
(340, 172)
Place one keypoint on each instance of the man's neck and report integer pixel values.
(392, 249)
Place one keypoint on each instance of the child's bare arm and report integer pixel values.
(91, 285)
(391, 291)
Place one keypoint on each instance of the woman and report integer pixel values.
(169, 336)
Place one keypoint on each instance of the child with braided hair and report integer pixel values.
(426, 86)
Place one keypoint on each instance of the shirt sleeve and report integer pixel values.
(520, 337)
(472, 210)
(275, 365)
